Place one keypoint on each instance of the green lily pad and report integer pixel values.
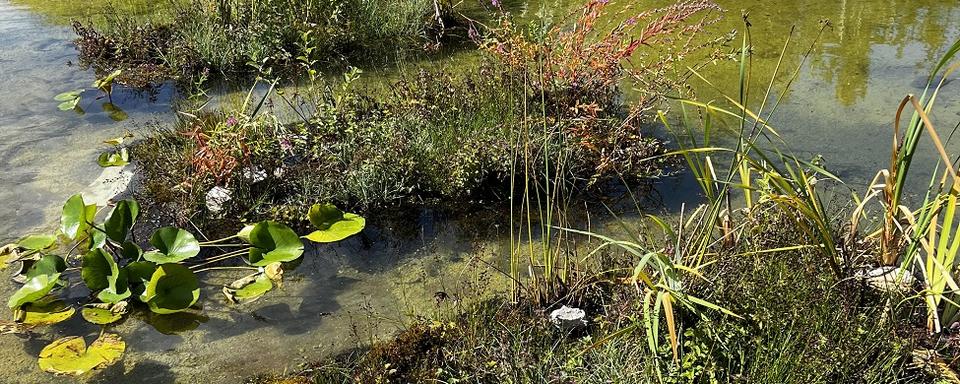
(248, 288)
(34, 289)
(106, 83)
(130, 251)
(139, 274)
(121, 220)
(100, 272)
(173, 246)
(273, 242)
(46, 311)
(97, 239)
(71, 356)
(244, 233)
(69, 100)
(100, 316)
(37, 242)
(114, 159)
(323, 216)
(76, 217)
(140, 271)
(95, 268)
(47, 265)
(69, 95)
(103, 314)
(333, 224)
(172, 288)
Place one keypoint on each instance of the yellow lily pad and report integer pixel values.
(248, 288)
(71, 356)
(101, 315)
(46, 311)
(8, 254)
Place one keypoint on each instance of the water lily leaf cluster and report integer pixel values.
(159, 276)
(70, 100)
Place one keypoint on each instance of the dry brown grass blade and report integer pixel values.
(941, 150)
(671, 325)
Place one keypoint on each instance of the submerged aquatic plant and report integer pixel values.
(70, 100)
(119, 273)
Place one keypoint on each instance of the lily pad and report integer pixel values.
(37, 242)
(46, 265)
(139, 274)
(114, 159)
(121, 220)
(100, 316)
(248, 288)
(8, 254)
(333, 224)
(69, 95)
(103, 313)
(106, 83)
(97, 239)
(71, 356)
(100, 272)
(76, 216)
(130, 251)
(172, 288)
(323, 216)
(34, 289)
(273, 242)
(46, 311)
(95, 268)
(173, 246)
(244, 233)
(68, 100)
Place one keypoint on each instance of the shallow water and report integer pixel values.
(841, 106)
(46, 154)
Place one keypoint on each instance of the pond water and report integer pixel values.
(841, 106)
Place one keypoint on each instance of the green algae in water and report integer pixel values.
(101, 12)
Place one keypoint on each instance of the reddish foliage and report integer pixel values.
(211, 161)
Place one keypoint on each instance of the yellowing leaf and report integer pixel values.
(71, 356)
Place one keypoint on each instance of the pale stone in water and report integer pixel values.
(113, 183)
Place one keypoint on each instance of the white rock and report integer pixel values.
(568, 318)
(887, 279)
(216, 198)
